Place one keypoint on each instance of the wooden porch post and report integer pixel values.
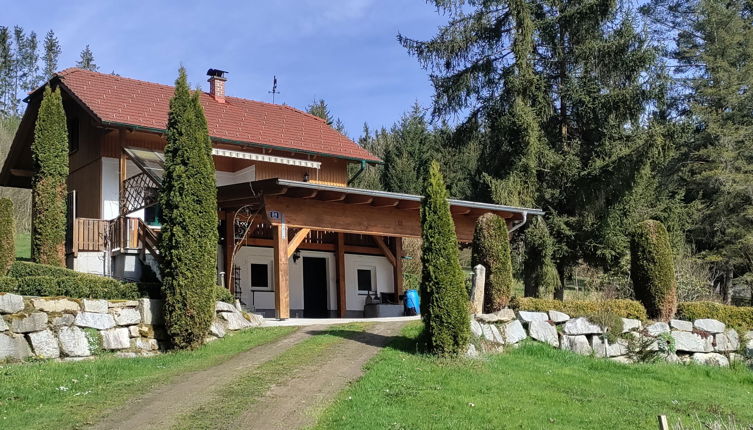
(282, 287)
(122, 176)
(397, 269)
(229, 247)
(340, 269)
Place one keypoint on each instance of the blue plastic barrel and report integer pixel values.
(412, 302)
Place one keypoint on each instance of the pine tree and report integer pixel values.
(491, 249)
(7, 236)
(444, 300)
(49, 189)
(188, 241)
(52, 52)
(7, 74)
(86, 60)
(320, 109)
(540, 277)
(27, 61)
(652, 270)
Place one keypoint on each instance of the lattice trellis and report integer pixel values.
(140, 192)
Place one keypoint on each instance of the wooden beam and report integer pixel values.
(327, 247)
(229, 247)
(409, 204)
(459, 210)
(302, 193)
(397, 269)
(282, 287)
(385, 250)
(381, 202)
(331, 196)
(296, 240)
(340, 269)
(356, 199)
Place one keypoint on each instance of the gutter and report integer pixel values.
(358, 173)
(521, 223)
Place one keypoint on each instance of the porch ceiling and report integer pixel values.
(353, 210)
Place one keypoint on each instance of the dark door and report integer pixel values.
(315, 287)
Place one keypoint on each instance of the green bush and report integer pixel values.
(188, 241)
(444, 300)
(491, 249)
(540, 275)
(50, 155)
(23, 269)
(38, 286)
(7, 236)
(223, 294)
(652, 269)
(582, 308)
(609, 321)
(737, 317)
(8, 284)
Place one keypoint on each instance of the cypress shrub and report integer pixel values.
(652, 269)
(50, 156)
(540, 275)
(188, 241)
(491, 249)
(444, 301)
(7, 236)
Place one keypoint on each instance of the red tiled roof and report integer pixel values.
(117, 100)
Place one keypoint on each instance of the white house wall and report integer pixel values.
(265, 300)
(111, 187)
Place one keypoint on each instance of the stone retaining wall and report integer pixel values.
(703, 341)
(73, 329)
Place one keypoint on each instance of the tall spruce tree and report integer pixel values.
(319, 108)
(558, 92)
(7, 74)
(188, 240)
(52, 51)
(86, 60)
(49, 189)
(444, 300)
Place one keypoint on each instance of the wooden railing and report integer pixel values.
(147, 240)
(93, 235)
(89, 234)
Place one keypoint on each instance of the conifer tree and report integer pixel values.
(51, 54)
(491, 249)
(188, 240)
(652, 270)
(86, 60)
(49, 189)
(7, 236)
(444, 300)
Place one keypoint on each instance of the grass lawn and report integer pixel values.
(533, 387)
(51, 395)
(23, 245)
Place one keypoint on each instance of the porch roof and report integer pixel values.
(354, 210)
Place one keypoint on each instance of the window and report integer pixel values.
(260, 276)
(72, 135)
(366, 279)
(153, 216)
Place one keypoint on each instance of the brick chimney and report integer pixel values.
(217, 81)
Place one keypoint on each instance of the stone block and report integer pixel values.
(134, 331)
(657, 328)
(477, 289)
(630, 324)
(599, 346)
(62, 320)
(123, 304)
(618, 348)
(146, 344)
(48, 304)
(98, 306)
(224, 307)
(497, 335)
(217, 329)
(527, 317)
(22, 323)
(487, 332)
(3, 324)
(126, 316)
(558, 317)
(95, 320)
(13, 347)
(45, 344)
(11, 303)
(578, 344)
(709, 325)
(476, 328)
(502, 315)
(513, 332)
(234, 321)
(710, 359)
(581, 326)
(115, 338)
(471, 352)
(692, 342)
(151, 311)
(728, 341)
(623, 359)
(681, 325)
(73, 342)
(544, 332)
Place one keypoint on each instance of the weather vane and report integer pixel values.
(274, 89)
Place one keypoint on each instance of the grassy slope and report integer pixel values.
(23, 245)
(50, 395)
(533, 386)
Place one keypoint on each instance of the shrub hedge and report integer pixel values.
(491, 249)
(582, 308)
(652, 269)
(223, 294)
(738, 317)
(23, 269)
(8, 284)
(7, 235)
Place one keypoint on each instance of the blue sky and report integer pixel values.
(341, 50)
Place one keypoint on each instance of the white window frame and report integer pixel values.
(374, 287)
(270, 279)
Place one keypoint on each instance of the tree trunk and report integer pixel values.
(726, 289)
